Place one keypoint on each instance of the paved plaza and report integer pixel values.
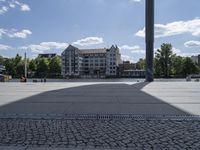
(100, 115)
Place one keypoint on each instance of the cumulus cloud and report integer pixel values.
(11, 4)
(25, 7)
(175, 28)
(89, 41)
(135, 1)
(14, 33)
(191, 44)
(176, 51)
(133, 49)
(44, 46)
(189, 54)
(3, 9)
(127, 58)
(5, 47)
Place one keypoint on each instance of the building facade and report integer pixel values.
(90, 62)
(196, 59)
(128, 70)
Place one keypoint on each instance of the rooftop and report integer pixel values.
(92, 51)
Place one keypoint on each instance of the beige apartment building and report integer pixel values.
(97, 63)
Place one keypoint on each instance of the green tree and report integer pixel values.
(55, 65)
(32, 65)
(163, 60)
(1, 60)
(19, 69)
(141, 64)
(10, 67)
(17, 59)
(189, 67)
(42, 67)
(177, 66)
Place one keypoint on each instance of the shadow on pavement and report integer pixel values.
(93, 99)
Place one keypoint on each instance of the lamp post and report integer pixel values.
(25, 66)
(149, 33)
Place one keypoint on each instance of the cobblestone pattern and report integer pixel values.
(130, 134)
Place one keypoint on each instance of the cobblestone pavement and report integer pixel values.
(100, 133)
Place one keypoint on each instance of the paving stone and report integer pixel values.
(12, 148)
(38, 134)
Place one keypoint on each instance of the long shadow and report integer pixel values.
(93, 99)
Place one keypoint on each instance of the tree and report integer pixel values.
(163, 60)
(19, 69)
(10, 67)
(32, 65)
(42, 67)
(141, 64)
(55, 65)
(1, 60)
(177, 66)
(189, 67)
(17, 59)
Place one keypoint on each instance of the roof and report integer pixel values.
(92, 51)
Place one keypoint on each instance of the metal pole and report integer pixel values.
(149, 39)
(25, 66)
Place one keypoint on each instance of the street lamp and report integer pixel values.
(149, 33)
(25, 66)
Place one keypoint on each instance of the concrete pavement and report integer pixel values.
(161, 98)
(99, 115)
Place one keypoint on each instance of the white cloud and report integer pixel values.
(89, 41)
(175, 28)
(20, 34)
(55, 45)
(14, 33)
(135, 1)
(44, 46)
(25, 7)
(5, 47)
(191, 44)
(126, 58)
(133, 49)
(176, 51)
(11, 4)
(3, 9)
(189, 54)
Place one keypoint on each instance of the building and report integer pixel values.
(127, 70)
(48, 55)
(199, 60)
(90, 62)
(196, 59)
(126, 65)
(2, 69)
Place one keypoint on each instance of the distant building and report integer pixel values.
(199, 60)
(98, 63)
(126, 65)
(127, 69)
(48, 55)
(2, 69)
(196, 59)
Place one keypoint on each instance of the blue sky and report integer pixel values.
(43, 26)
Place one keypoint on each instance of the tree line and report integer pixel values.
(37, 68)
(166, 64)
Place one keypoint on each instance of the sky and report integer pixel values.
(49, 26)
